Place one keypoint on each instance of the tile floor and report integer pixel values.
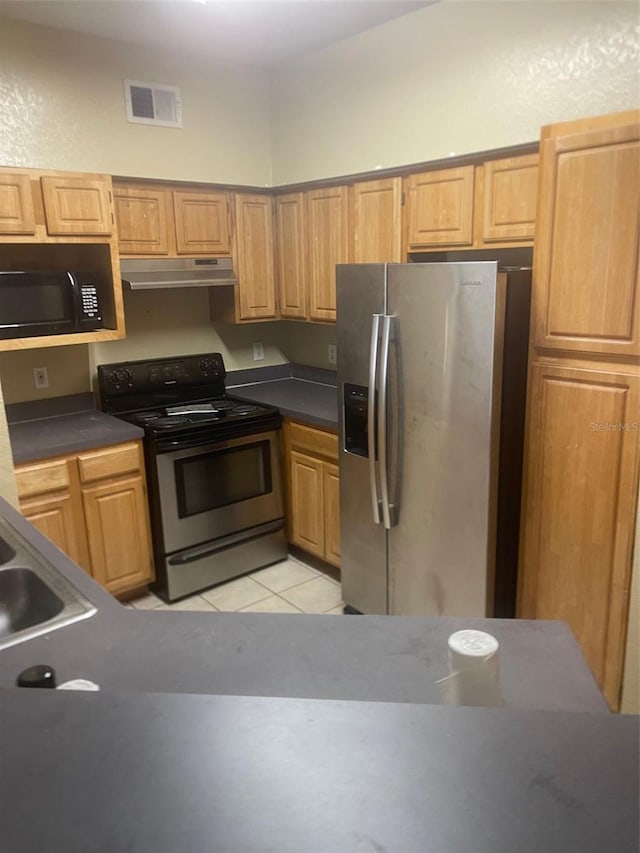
(288, 587)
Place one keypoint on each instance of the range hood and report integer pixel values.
(154, 273)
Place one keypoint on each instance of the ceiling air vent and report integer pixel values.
(153, 103)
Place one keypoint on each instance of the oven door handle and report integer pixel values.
(192, 555)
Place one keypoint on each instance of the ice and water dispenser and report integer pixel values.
(356, 404)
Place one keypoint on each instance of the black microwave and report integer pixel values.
(47, 303)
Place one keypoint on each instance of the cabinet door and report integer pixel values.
(254, 256)
(77, 206)
(306, 527)
(579, 504)
(141, 218)
(377, 212)
(56, 517)
(332, 514)
(118, 531)
(440, 208)
(586, 290)
(16, 204)
(291, 260)
(202, 223)
(328, 242)
(509, 199)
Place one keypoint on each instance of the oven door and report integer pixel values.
(217, 489)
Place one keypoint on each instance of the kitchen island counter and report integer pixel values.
(167, 773)
(363, 658)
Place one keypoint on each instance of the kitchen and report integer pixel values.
(107, 144)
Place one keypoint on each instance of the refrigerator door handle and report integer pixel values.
(371, 418)
(387, 509)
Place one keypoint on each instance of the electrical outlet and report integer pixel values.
(332, 353)
(40, 377)
(258, 351)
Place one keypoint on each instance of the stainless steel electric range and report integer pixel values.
(213, 469)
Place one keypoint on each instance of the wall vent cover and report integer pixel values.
(153, 103)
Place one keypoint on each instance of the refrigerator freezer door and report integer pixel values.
(441, 440)
(363, 560)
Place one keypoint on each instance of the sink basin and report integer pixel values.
(25, 600)
(35, 597)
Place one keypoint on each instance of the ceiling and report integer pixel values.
(257, 32)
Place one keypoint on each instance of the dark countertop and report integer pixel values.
(364, 658)
(114, 772)
(63, 425)
(306, 394)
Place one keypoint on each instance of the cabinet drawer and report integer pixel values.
(314, 441)
(42, 477)
(109, 462)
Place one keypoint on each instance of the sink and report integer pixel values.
(35, 597)
(25, 600)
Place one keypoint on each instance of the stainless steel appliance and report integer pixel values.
(157, 273)
(432, 376)
(213, 469)
(47, 303)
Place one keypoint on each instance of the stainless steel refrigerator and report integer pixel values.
(432, 377)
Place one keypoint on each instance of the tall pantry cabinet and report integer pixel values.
(582, 440)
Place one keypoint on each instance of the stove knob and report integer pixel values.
(115, 377)
(206, 365)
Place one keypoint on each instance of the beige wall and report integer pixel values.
(451, 78)
(168, 322)
(63, 107)
(67, 368)
(307, 343)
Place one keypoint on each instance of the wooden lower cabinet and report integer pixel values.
(93, 507)
(313, 484)
(307, 505)
(331, 477)
(119, 549)
(580, 489)
(54, 516)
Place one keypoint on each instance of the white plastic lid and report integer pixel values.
(473, 644)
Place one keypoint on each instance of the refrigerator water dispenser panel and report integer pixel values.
(356, 402)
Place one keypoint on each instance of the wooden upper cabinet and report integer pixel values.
(77, 206)
(290, 255)
(578, 513)
(328, 245)
(586, 261)
(509, 199)
(440, 208)
(253, 256)
(202, 223)
(142, 220)
(377, 214)
(16, 204)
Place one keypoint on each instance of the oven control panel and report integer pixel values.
(140, 377)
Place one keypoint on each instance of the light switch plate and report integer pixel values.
(332, 353)
(258, 351)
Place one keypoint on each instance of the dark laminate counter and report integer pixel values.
(365, 658)
(306, 394)
(63, 425)
(161, 773)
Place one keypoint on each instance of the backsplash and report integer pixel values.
(67, 368)
(164, 323)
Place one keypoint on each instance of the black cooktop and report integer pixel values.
(178, 394)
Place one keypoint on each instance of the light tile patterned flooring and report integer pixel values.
(288, 587)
